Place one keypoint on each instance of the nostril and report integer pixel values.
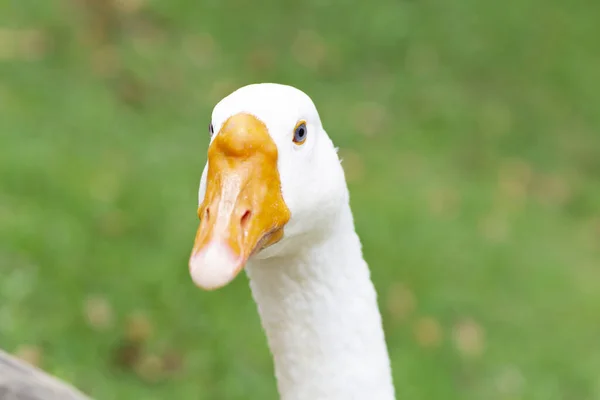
(207, 214)
(245, 218)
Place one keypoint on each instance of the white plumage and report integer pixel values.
(313, 290)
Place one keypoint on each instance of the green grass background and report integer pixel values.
(470, 132)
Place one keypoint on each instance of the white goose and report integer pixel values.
(273, 199)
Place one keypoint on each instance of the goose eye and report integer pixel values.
(300, 133)
(211, 130)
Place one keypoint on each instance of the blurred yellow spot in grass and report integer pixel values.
(150, 368)
(22, 44)
(428, 332)
(30, 354)
(128, 6)
(401, 302)
(353, 164)
(98, 312)
(469, 338)
(138, 327)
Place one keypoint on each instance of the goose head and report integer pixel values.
(272, 183)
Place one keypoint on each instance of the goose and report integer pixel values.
(273, 201)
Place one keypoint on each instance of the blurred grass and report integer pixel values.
(470, 133)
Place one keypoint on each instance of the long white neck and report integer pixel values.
(323, 326)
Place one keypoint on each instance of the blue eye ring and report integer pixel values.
(300, 133)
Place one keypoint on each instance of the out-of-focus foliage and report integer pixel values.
(470, 132)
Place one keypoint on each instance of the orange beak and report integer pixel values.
(243, 209)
